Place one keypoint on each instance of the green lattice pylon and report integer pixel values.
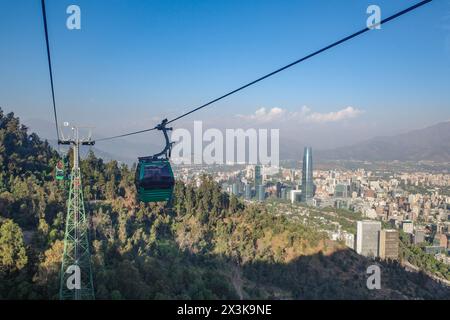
(76, 255)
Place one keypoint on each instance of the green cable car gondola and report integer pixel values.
(154, 176)
(60, 173)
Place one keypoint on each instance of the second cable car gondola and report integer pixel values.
(154, 176)
(60, 172)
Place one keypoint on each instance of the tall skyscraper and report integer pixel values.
(307, 175)
(258, 176)
(260, 193)
(367, 238)
(235, 189)
(248, 191)
(258, 183)
(279, 188)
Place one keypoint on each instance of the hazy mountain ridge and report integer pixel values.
(431, 143)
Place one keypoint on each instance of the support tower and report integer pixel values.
(76, 273)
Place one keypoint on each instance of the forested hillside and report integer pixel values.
(205, 246)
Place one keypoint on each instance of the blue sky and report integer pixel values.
(135, 61)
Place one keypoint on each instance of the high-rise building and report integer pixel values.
(260, 193)
(288, 191)
(349, 240)
(235, 189)
(295, 195)
(389, 244)
(258, 176)
(355, 186)
(342, 191)
(367, 237)
(307, 175)
(248, 191)
(283, 193)
(408, 226)
(419, 236)
(341, 204)
(278, 189)
(443, 240)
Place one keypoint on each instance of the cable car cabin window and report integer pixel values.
(156, 177)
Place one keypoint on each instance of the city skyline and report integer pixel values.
(371, 211)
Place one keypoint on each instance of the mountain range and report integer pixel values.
(428, 144)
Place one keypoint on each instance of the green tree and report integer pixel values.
(13, 255)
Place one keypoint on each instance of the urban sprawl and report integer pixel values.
(376, 205)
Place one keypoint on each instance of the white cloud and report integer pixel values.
(304, 115)
(347, 113)
(263, 115)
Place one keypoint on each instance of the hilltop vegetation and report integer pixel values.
(208, 246)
